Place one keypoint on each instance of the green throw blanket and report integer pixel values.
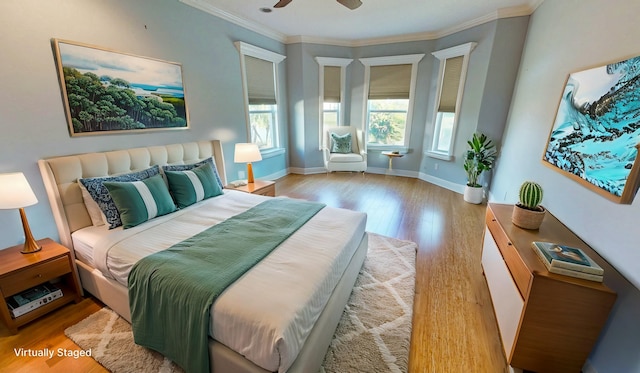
(171, 292)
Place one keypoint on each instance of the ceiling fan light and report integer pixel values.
(351, 4)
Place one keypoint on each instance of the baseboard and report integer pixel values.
(306, 171)
(393, 172)
(275, 175)
(458, 188)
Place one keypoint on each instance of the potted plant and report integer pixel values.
(528, 213)
(479, 158)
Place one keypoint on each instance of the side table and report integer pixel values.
(19, 272)
(392, 155)
(262, 187)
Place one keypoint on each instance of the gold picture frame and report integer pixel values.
(107, 92)
(595, 138)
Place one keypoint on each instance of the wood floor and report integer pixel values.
(454, 329)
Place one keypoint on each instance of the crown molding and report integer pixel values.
(204, 6)
(523, 10)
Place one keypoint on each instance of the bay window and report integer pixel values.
(260, 86)
(389, 88)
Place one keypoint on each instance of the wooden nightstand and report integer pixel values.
(19, 272)
(262, 187)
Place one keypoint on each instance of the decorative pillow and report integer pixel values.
(96, 215)
(191, 186)
(340, 144)
(185, 167)
(139, 201)
(100, 194)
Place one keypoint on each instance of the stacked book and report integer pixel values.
(568, 261)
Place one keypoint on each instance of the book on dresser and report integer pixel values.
(568, 261)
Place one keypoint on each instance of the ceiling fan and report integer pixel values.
(351, 4)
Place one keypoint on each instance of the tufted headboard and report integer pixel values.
(61, 174)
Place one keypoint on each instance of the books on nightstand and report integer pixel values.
(568, 261)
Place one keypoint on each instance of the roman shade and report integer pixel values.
(450, 84)
(260, 81)
(332, 84)
(390, 82)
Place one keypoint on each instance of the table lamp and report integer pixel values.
(15, 193)
(247, 153)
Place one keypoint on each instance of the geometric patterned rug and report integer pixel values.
(375, 329)
(373, 334)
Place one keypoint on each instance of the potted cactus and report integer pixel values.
(528, 213)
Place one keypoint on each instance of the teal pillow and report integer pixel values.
(185, 167)
(191, 186)
(139, 201)
(340, 144)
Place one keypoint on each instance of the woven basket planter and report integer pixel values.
(527, 219)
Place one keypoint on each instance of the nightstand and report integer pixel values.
(19, 272)
(262, 187)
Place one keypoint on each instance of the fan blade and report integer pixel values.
(351, 4)
(282, 3)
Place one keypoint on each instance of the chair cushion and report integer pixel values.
(345, 158)
(340, 143)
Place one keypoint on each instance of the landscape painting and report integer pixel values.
(596, 134)
(110, 92)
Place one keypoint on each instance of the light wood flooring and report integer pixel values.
(454, 329)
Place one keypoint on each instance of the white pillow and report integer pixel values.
(95, 213)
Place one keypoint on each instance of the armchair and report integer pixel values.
(353, 160)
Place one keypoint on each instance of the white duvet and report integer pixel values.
(268, 313)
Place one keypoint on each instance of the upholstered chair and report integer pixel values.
(343, 149)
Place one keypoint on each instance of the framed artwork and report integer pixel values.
(110, 92)
(595, 138)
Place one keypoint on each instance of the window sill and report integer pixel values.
(272, 152)
(439, 155)
(383, 148)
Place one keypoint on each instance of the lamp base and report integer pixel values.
(250, 179)
(30, 244)
(30, 249)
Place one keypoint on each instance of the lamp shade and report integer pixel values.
(247, 153)
(15, 191)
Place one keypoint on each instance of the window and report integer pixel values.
(332, 86)
(389, 88)
(451, 77)
(260, 83)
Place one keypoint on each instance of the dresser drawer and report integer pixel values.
(15, 282)
(521, 274)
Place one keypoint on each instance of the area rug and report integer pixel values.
(373, 334)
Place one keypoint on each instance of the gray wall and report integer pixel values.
(490, 80)
(564, 37)
(32, 119)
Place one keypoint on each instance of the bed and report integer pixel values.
(251, 330)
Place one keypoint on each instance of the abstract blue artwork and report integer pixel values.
(110, 92)
(596, 134)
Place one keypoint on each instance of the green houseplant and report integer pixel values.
(480, 157)
(528, 213)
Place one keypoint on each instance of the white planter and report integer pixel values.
(473, 194)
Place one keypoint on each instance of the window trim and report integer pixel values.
(342, 63)
(412, 59)
(245, 49)
(463, 50)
